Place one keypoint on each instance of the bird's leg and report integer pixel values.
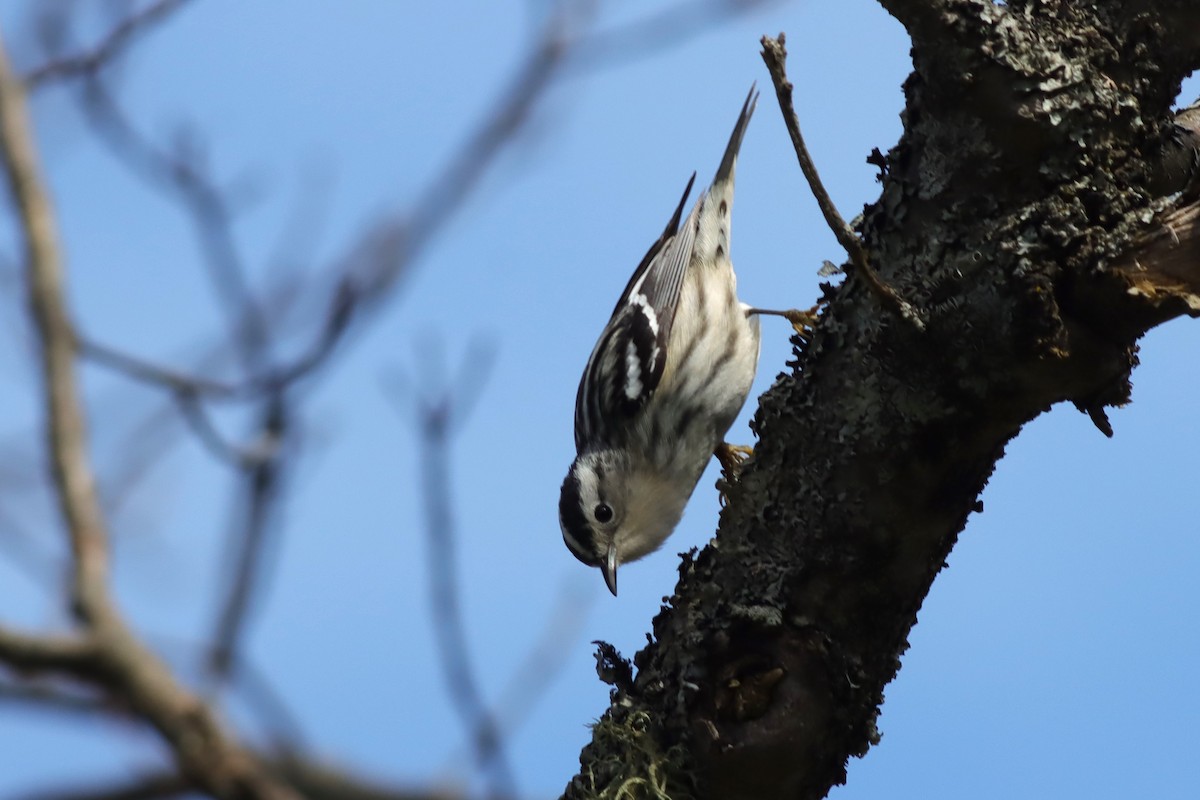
(802, 321)
(732, 457)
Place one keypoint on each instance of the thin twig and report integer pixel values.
(209, 212)
(438, 413)
(110, 46)
(145, 371)
(774, 54)
(264, 486)
(247, 456)
(252, 388)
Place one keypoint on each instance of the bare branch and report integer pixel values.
(774, 54)
(70, 657)
(66, 435)
(110, 46)
(312, 779)
(201, 747)
(35, 652)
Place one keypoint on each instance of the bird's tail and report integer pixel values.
(729, 160)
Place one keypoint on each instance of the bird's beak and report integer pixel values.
(609, 568)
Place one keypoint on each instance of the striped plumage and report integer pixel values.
(668, 375)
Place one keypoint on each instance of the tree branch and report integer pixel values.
(42, 653)
(264, 482)
(1004, 210)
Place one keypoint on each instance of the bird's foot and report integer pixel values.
(732, 458)
(802, 321)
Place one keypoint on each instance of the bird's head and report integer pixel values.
(613, 511)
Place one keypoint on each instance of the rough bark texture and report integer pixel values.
(1037, 210)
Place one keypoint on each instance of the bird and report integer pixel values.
(666, 379)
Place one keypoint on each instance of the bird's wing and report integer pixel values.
(627, 362)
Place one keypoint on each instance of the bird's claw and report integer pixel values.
(732, 457)
(803, 322)
(723, 491)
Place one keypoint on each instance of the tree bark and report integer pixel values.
(1039, 212)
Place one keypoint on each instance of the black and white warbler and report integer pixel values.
(666, 379)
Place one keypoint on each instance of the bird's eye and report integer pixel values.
(603, 513)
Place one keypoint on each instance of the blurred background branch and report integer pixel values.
(438, 410)
(86, 63)
(375, 265)
(245, 394)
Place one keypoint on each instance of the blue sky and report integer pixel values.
(1055, 657)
